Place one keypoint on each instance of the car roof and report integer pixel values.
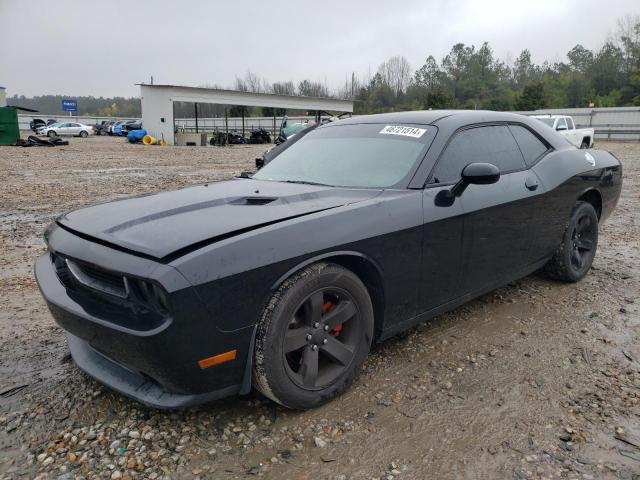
(449, 121)
(424, 117)
(433, 117)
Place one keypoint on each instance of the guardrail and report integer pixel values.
(619, 133)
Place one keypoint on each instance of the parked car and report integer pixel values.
(107, 127)
(117, 124)
(363, 228)
(67, 128)
(36, 123)
(130, 126)
(564, 124)
(100, 128)
(120, 128)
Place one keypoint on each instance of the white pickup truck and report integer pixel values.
(563, 124)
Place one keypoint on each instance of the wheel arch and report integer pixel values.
(363, 266)
(594, 197)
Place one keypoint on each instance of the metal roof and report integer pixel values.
(236, 97)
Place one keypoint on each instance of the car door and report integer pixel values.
(496, 218)
(572, 133)
(65, 129)
(442, 236)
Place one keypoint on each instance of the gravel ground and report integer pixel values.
(535, 380)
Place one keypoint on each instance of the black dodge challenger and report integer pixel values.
(282, 280)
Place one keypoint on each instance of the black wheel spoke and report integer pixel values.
(309, 367)
(584, 226)
(295, 339)
(584, 244)
(337, 350)
(344, 311)
(575, 257)
(314, 307)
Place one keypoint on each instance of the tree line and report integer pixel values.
(466, 77)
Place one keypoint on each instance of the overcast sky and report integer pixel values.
(102, 48)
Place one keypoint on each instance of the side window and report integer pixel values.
(570, 123)
(531, 146)
(492, 144)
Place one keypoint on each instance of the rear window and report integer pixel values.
(532, 147)
(362, 155)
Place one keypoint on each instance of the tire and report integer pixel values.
(51, 134)
(313, 337)
(84, 134)
(574, 256)
(585, 144)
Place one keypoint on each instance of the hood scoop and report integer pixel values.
(254, 201)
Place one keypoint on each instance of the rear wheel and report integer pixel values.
(313, 337)
(84, 134)
(574, 256)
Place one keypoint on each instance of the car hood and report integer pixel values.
(169, 224)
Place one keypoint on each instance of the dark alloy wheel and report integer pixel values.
(313, 337)
(574, 256)
(322, 338)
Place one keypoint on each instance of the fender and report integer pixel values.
(317, 258)
(582, 193)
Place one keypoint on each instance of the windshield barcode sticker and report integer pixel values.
(404, 131)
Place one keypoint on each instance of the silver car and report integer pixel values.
(67, 128)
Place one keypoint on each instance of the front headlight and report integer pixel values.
(148, 293)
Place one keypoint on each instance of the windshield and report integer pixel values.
(364, 155)
(547, 121)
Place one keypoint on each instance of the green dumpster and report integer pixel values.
(9, 130)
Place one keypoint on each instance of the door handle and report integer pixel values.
(531, 183)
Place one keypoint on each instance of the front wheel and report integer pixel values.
(573, 258)
(313, 337)
(51, 134)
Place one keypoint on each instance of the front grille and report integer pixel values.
(136, 303)
(97, 278)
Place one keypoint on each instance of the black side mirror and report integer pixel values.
(476, 174)
(472, 174)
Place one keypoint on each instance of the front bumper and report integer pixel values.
(156, 366)
(133, 384)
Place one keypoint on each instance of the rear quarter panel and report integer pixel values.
(566, 175)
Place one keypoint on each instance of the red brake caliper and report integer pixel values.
(327, 307)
